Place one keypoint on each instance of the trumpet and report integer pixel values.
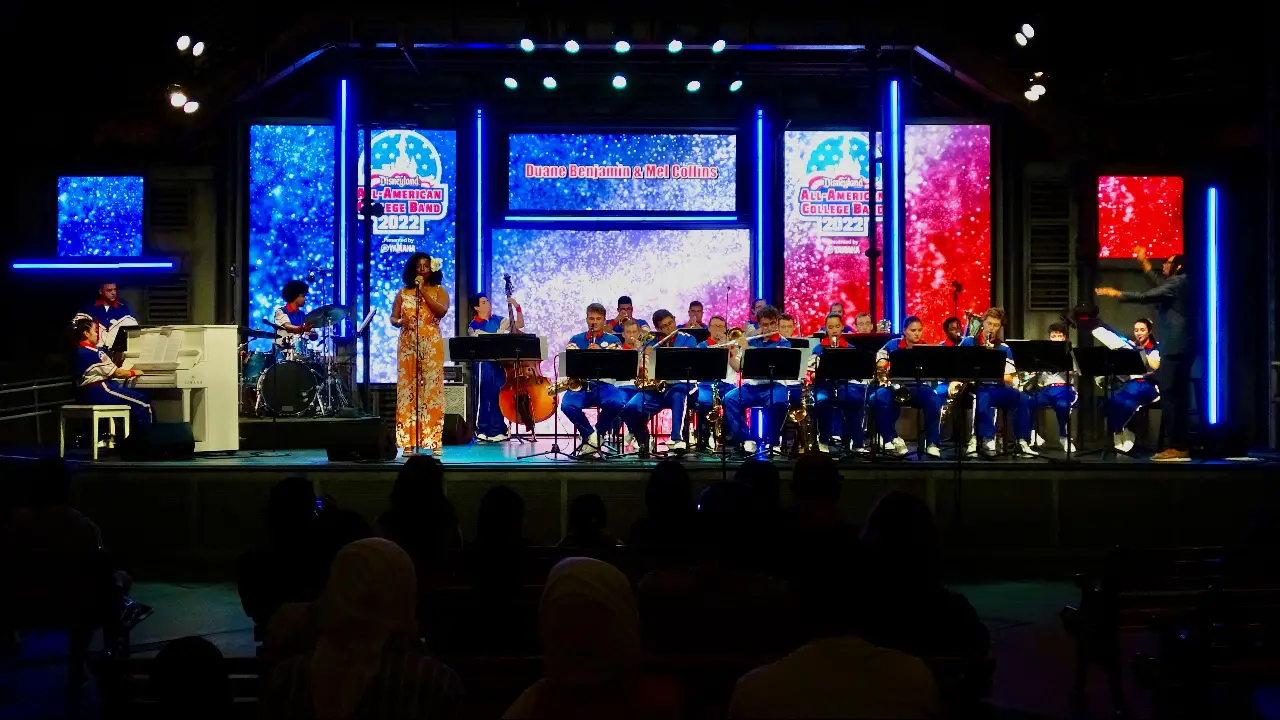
(954, 389)
(901, 395)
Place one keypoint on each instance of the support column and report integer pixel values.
(873, 172)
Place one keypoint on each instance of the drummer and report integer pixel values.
(290, 319)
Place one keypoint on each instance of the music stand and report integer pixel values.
(1107, 363)
(941, 362)
(843, 365)
(500, 347)
(1044, 356)
(699, 335)
(597, 365)
(869, 343)
(689, 366)
(774, 364)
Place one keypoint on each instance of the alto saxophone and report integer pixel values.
(806, 423)
(560, 386)
(715, 416)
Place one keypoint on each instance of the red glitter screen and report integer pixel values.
(948, 223)
(1138, 210)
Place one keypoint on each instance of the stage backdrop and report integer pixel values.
(414, 176)
(1139, 210)
(948, 222)
(583, 173)
(100, 216)
(291, 217)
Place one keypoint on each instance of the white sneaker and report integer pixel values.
(972, 447)
(898, 447)
(837, 442)
(1025, 448)
(932, 451)
(823, 448)
(627, 438)
(749, 447)
(500, 438)
(1122, 442)
(1037, 439)
(678, 445)
(989, 446)
(592, 442)
(1069, 446)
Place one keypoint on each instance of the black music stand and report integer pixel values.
(689, 366)
(498, 347)
(775, 364)
(597, 365)
(699, 335)
(976, 364)
(1107, 364)
(1044, 356)
(843, 365)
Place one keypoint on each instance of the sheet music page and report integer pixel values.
(173, 346)
(1110, 339)
(155, 348)
(805, 354)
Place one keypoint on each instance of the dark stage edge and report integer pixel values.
(1003, 519)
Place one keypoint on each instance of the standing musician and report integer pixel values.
(922, 395)
(1056, 392)
(951, 329)
(289, 317)
(757, 393)
(593, 394)
(751, 326)
(98, 378)
(838, 401)
(717, 329)
(647, 402)
(695, 317)
(625, 311)
(1138, 390)
(491, 426)
(1004, 396)
(109, 312)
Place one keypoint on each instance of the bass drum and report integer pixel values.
(287, 389)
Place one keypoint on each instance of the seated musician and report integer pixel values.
(109, 312)
(630, 341)
(861, 324)
(886, 409)
(290, 317)
(757, 393)
(491, 426)
(695, 317)
(1137, 391)
(999, 395)
(626, 311)
(795, 388)
(838, 403)
(717, 329)
(751, 326)
(951, 328)
(593, 394)
(1054, 391)
(646, 403)
(837, 309)
(98, 379)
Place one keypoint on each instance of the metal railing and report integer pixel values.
(37, 407)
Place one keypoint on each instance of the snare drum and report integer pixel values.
(288, 388)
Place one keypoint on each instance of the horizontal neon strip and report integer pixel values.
(621, 218)
(53, 265)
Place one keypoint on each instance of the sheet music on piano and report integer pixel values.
(190, 375)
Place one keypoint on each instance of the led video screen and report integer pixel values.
(947, 222)
(291, 216)
(557, 273)
(414, 175)
(100, 216)
(570, 172)
(1139, 210)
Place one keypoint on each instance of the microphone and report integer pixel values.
(955, 285)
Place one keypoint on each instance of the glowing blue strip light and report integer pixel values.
(342, 192)
(97, 266)
(479, 283)
(759, 268)
(894, 214)
(1211, 286)
(621, 218)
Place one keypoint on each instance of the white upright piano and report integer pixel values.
(189, 375)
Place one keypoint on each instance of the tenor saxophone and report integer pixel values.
(805, 422)
(715, 416)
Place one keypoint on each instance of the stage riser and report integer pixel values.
(192, 523)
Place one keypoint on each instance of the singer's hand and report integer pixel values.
(417, 280)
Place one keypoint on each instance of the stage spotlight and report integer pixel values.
(190, 107)
(693, 86)
(735, 86)
(511, 83)
(571, 46)
(1031, 96)
(717, 46)
(197, 50)
(549, 82)
(526, 45)
(621, 46)
(1029, 31)
(675, 46)
(177, 98)
(1038, 89)
(1020, 39)
(184, 42)
(619, 82)
(1039, 74)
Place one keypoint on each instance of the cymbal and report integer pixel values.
(327, 315)
(261, 334)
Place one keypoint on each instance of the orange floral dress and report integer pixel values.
(420, 404)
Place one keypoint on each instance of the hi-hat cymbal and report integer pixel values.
(327, 315)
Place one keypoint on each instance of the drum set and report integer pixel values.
(300, 377)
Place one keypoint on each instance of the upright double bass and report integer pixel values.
(524, 399)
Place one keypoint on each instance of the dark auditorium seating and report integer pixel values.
(125, 690)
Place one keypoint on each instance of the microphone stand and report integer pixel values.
(417, 367)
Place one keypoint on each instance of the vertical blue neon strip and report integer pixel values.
(479, 239)
(894, 214)
(1211, 302)
(760, 229)
(342, 192)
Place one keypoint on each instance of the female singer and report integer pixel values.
(417, 311)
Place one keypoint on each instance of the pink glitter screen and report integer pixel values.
(1138, 210)
(948, 223)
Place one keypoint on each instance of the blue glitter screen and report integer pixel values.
(291, 216)
(100, 216)
(414, 175)
(631, 172)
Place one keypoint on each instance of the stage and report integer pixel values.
(1002, 518)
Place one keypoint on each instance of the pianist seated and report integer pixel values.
(98, 378)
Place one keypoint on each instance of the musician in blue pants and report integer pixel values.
(646, 403)
(594, 393)
(1055, 391)
(999, 395)
(838, 404)
(1137, 391)
(922, 395)
(98, 378)
(491, 426)
(753, 393)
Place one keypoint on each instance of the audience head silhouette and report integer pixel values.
(764, 481)
(419, 485)
(902, 539)
(48, 483)
(669, 491)
(190, 680)
(815, 481)
(291, 510)
(500, 520)
(587, 516)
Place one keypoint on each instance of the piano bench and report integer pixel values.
(93, 413)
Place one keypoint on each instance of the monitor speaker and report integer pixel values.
(159, 441)
(362, 439)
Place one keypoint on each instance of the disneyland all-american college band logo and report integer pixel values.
(835, 195)
(407, 180)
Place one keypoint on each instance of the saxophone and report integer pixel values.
(806, 423)
(715, 416)
(560, 386)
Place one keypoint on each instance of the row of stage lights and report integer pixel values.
(619, 81)
(1022, 37)
(178, 96)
